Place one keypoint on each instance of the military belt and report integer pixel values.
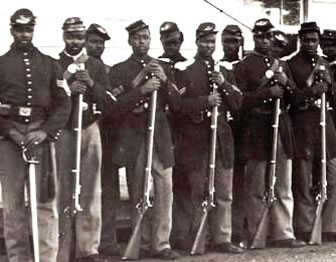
(20, 111)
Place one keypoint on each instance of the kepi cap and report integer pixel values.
(135, 27)
(206, 29)
(309, 27)
(73, 24)
(22, 17)
(169, 31)
(262, 26)
(98, 30)
(328, 34)
(232, 31)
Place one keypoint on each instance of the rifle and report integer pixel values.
(260, 236)
(67, 238)
(32, 162)
(316, 234)
(198, 246)
(133, 246)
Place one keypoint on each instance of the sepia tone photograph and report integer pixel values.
(181, 130)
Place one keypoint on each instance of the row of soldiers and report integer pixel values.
(38, 96)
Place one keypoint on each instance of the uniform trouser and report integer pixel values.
(281, 212)
(157, 223)
(110, 196)
(182, 208)
(220, 216)
(238, 201)
(88, 221)
(305, 203)
(14, 175)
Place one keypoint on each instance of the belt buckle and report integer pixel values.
(25, 111)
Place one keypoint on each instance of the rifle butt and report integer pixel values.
(198, 247)
(316, 234)
(259, 239)
(132, 250)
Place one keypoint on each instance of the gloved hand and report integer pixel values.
(78, 87)
(84, 76)
(214, 100)
(157, 70)
(150, 85)
(34, 138)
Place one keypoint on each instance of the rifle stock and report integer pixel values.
(260, 236)
(132, 250)
(316, 234)
(198, 247)
(133, 246)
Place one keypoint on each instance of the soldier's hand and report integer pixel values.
(281, 78)
(218, 78)
(158, 72)
(78, 87)
(16, 137)
(214, 99)
(276, 91)
(150, 85)
(34, 138)
(319, 89)
(84, 76)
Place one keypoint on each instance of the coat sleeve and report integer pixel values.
(60, 107)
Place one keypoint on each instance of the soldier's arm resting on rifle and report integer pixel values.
(257, 95)
(231, 94)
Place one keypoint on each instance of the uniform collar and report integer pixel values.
(17, 48)
(201, 59)
(75, 57)
(177, 58)
(146, 59)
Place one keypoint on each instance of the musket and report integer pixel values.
(32, 162)
(132, 250)
(67, 238)
(198, 246)
(316, 234)
(260, 236)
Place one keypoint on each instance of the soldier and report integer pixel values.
(96, 36)
(33, 108)
(232, 42)
(195, 144)
(279, 44)
(92, 82)
(257, 75)
(313, 77)
(132, 78)
(172, 39)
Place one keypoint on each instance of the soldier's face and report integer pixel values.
(231, 46)
(95, 45)
(206, 45)
(23, 34)
(172, 46)
(329, 49)
(309, 42)
(140, 42)
(262, 43)
(74, 42)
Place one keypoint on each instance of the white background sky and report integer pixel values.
(116, 15)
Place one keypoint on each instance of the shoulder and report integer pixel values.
(183, 65)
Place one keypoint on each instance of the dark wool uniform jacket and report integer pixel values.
(95, 94)
(307, 122)
(32, 79)
(133, 116)
(258, 107)
(196, 131)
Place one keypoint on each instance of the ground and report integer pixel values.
(324, 253)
